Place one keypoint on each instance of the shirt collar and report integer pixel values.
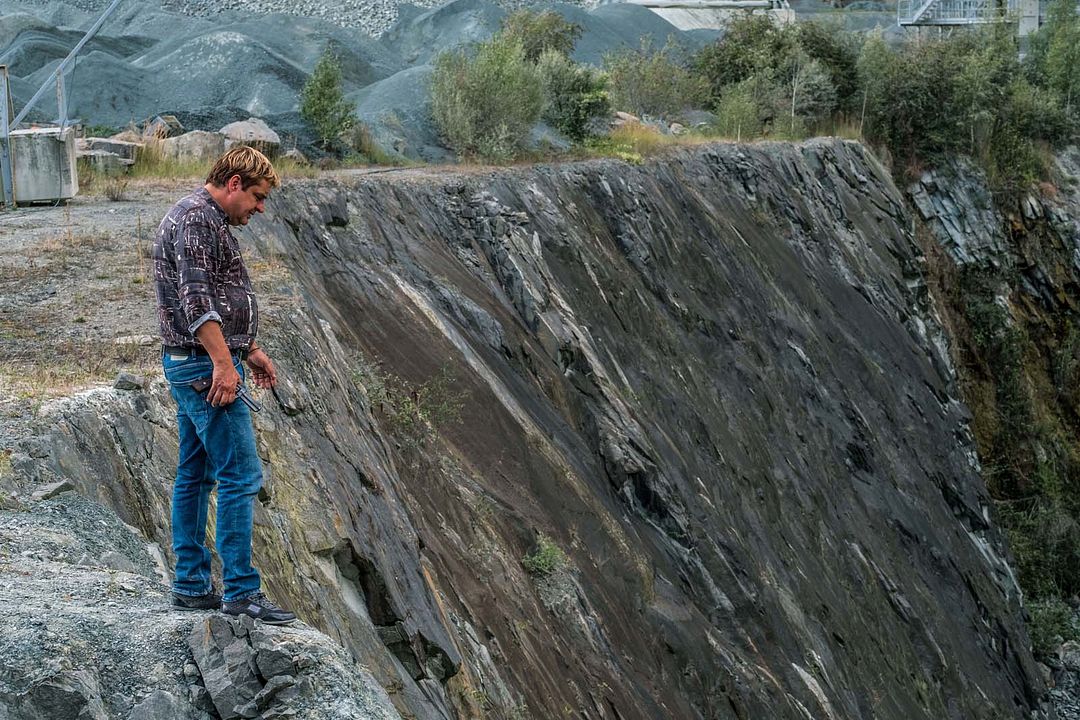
(205, 195)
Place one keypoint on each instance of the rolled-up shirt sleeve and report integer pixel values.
(196, 267)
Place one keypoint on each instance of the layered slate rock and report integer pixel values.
(88, 635)
(713, 382)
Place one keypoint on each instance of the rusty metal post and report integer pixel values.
(7, 176)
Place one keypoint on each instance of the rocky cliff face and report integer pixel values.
(679, 440)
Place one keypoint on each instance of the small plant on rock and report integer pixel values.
(545, 559)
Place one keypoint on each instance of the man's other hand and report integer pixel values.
(263, 373)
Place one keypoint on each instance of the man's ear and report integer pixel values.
(234, 183)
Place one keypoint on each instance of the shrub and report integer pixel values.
(752, 44)
(574, 95)
(747, 108)
(322, 102)
(813, 96)
(654, 82)
(837, 53)
(486, 101)
(537, 32)
(545, 559)
(1050, 620)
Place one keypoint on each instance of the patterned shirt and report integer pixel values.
(200, 276)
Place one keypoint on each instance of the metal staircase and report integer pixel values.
(954, 12)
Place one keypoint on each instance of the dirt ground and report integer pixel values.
(76, 298)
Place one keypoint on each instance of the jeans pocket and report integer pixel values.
(181, 373)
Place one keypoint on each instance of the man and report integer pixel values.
(209, 319)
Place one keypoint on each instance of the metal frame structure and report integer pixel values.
(7, 125)
(953, 12)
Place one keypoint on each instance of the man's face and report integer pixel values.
(241, 203)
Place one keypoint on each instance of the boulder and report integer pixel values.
(121, 148)
(128, 135)
(194, 145)
(104, 162)
(162, 126)
(253, 132)
(297, 157)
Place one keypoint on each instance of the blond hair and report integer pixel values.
(247, 162)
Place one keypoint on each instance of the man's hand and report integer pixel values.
(223, 384)
(263, 373)
(225, 379)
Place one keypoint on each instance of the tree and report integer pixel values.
(753, 44)
(485, 101)
(322, 102)
(1063, 51)
(838, 53)
(654, 82)
(538, 32)
(573, 94)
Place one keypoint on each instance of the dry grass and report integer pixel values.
(153, 168)
(69, 368)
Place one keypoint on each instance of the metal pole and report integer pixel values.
(63, 65)
(6, 175)
(61, 103)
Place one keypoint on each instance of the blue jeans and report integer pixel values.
(217, 445)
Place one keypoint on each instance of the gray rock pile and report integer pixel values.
(252, 670)
(372, 16)
(87, 634)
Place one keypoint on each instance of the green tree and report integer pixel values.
(654, 82)
(486, 100)
(574, 94)
(753, 44)
(540, 31)
(837, 51)
(322, 102)
(1063, 51)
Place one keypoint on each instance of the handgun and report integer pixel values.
(203, 384)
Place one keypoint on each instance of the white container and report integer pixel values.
(44, 164)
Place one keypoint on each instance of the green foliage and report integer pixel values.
(322, 102)
(752, 45)
(486, 101)
(362, 146)
(540, 31)
(574, 94)
(545, 559)
(813, 96)
(1031, 467)
(102, 131)
(740, 110)
(1050, 620)
(785, 75)
(1063, 51)
(837, 52)
(414, 412)
(966, 94)
(654, 82)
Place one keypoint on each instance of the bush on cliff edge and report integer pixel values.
(486, 100)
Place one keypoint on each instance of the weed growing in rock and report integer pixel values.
(116, 188)
(546, 559)
(414, 412)
(1029, 462)
(1051, 622)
